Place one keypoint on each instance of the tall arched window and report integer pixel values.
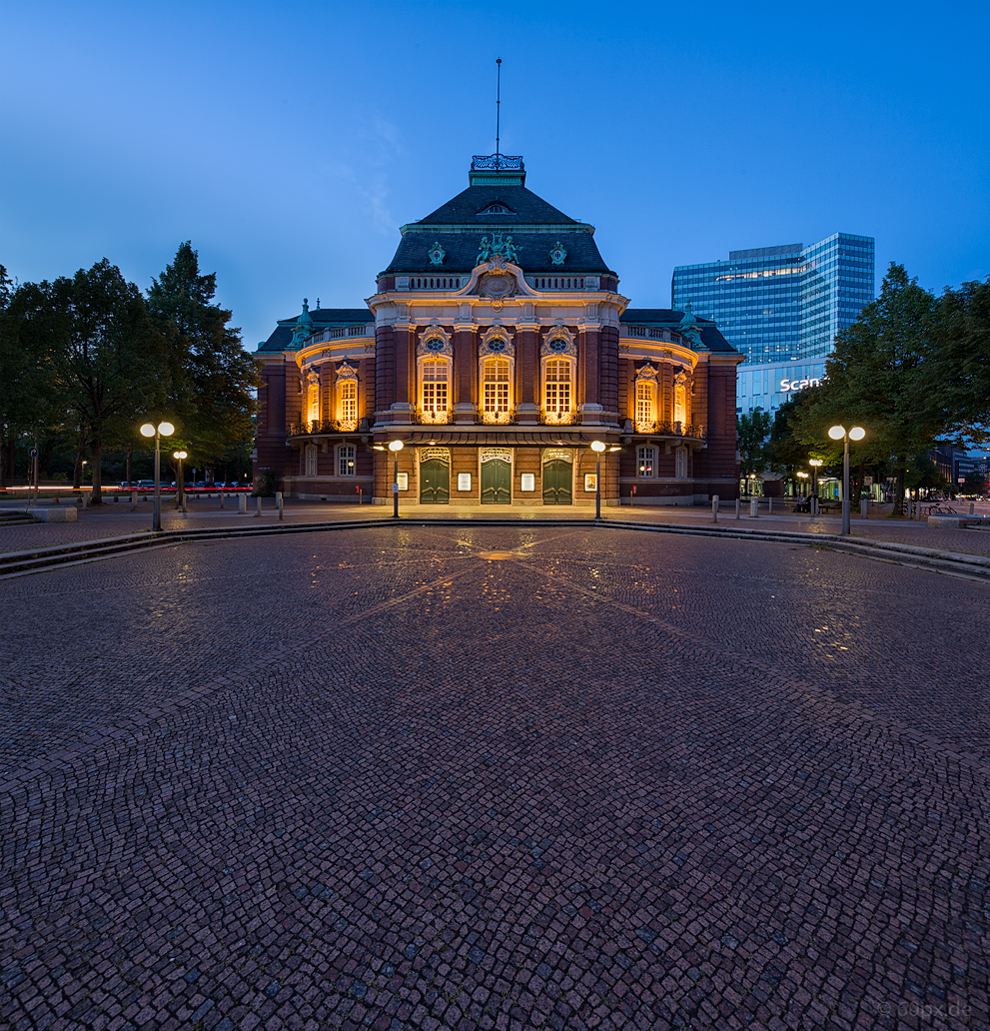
(495, 399)
(557, 394)
(435, 393)
(313, 398)
(347, 391)
(646, 405)
(680, 403)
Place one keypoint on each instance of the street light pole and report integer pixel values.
(163, 429)
(839, 433)
(181, 493)
(598, 447)
(395, 446)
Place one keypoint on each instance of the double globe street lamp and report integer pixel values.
(840, 433)
(163, 429)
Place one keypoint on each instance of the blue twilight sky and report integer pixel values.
(289, 141)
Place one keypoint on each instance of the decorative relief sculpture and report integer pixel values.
(436, 254)
(558, 255)
(559, 343)
(496, 342)
(435, 343)
(496, 245)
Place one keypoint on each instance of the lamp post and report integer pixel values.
(839, 433)
(816, 464)
(181, 493)
(598, 447)
(395, 446)
(163, 429)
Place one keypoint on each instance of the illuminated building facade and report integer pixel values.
(497, 348)
(779, 304)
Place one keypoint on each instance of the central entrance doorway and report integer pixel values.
(434, 476)
(558, 476)
(496, 476)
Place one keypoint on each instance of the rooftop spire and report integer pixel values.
(498, 106)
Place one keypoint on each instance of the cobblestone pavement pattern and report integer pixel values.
(493, 777)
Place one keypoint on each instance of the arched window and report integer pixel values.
(680, 403)
(310, 460)
(313, 398)
(681, 463)
(646, 405)
(347, 393)
(557, 393)
(495, 392)
(435, 391)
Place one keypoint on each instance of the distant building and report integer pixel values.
(497, 348)
(782, 307)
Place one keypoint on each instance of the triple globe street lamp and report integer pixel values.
(840, 433)
(163, 429)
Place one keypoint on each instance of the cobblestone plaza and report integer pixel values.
(407, 778)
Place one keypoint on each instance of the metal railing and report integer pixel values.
(670, 429)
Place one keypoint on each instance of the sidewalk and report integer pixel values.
(115, 520)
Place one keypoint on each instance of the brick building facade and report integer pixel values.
(497, 348)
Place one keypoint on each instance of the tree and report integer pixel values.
(752, 431)
(108, 356)
(878, 377)
(29, 400)
(960, 377)
(213, 377)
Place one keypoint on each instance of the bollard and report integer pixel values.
(754, 508)
(278, 504)
(972, 508)
(259, 507)
(862, 508)
(133, 500)
(221, 501)
(769, 506)
(714, 508)
(737, 507)
(242, 504)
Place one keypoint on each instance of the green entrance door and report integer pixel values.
(434, 482)
(496, 482)
(557, 482)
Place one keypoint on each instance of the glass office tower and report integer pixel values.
(782, 304)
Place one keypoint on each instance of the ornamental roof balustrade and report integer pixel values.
(493, 162)
(647, 333)
(563, 282)
(339, 332)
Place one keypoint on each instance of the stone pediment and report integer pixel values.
(497, 280)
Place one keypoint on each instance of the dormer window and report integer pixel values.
(496, 209)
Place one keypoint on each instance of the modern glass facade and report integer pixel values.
(779, 304)
(768, 386)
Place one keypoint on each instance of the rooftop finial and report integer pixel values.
(498, 106)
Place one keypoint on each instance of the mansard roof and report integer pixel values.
(324, 318)
(533, 249)
(524, 208)
(668, 318)
(535, 226)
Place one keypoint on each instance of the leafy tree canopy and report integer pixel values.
(214, 378)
